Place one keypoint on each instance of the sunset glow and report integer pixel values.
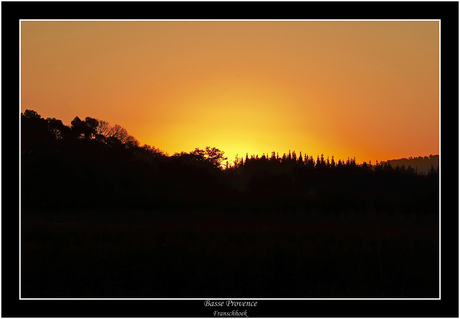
(364, 89)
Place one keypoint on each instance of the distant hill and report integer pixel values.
(422, 164)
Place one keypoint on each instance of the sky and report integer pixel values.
(363, 89)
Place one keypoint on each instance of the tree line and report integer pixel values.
(92, 164)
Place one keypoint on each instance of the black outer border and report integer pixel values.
(447, 12)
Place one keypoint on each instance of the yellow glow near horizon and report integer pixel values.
(360, 89)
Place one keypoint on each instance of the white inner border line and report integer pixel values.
(237, 20)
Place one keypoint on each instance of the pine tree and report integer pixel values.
(300, 160)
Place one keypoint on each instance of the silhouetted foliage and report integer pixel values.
(94, 164)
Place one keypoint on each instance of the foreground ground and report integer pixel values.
(144, 254)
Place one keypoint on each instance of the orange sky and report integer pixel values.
(368, 89)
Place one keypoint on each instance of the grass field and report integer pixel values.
(73, 254)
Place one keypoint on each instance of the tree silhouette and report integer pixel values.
(78, 129)
(58, 129)
(214, 156)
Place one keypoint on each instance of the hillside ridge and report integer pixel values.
(421, 163)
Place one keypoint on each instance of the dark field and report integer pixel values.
(147, 254)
